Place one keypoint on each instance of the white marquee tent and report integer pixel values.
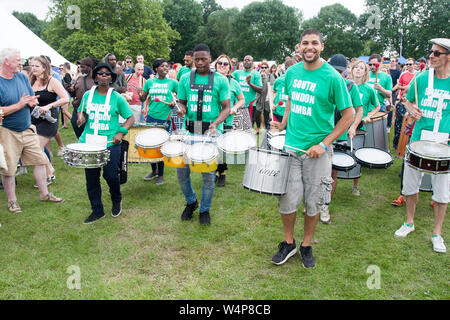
(14, 34)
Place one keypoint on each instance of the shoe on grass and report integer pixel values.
(285, 251)
(151, 176)
(204, 218)
(355, 191)
(221, 180)
(93, 217)
(159, 180)
(438, 243)
(398, 202)
(116, 209)
(307, 257)
(13, 206)
(189, 211)
(325, 214)
(404, 230)
(51, 198)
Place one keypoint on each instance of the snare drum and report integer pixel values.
(377, 136)
(276, 141)
(148, 143)
(83, 155)
(267, 171)
(341, 161)
(173, 152)
(234, 145)
(428, 157)
(373, 158)
(202, 157)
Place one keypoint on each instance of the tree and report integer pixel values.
(266, 29)
(184, 16)
(337, 25)
(31, 22)
(209, 7)
(126, 27)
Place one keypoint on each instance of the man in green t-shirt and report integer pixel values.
(103, 107)
(188, 64)
(380, 81)
(428, 102)
(314, 90)
(204, 97)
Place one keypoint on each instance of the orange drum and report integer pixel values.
(149, 142)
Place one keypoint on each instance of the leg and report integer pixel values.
(10, 187)
(411, 203)
(94, 190)
(59, 140)
(207, 191)
(184, 180)
(440, 210)
(310, 224)
(288, 226)
(111, 173)
(44, 141)
(334, 175)
(40, 174)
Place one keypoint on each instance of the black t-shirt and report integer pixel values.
(395, 74)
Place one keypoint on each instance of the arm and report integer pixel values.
(283, 124)
(239, 104)
(223, 115)
(371, 114)
(358, 119)
(58, 88)
(23, 102)
(127, 125)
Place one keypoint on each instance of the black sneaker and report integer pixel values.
(285, 251)
(116, 209)
(93, 217)
(205, 218)
(151, 176)
(221, 181)
(307, 257)
(189, 211)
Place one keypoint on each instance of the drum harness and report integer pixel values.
(199, 126)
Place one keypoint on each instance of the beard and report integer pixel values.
(312, 60)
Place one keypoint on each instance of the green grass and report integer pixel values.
(149, 253)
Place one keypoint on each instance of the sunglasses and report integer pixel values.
(372, 64)
(409, 64)
(264, 67)
(128, 61)
(436, 53)
(220, 63)
(101, 73)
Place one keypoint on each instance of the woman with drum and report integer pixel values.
(223, 66)
(104, 105)
(48, 90)
(159, 100)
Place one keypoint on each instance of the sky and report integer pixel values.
(40, 7)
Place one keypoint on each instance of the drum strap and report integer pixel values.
(201, 88)
(97, 113)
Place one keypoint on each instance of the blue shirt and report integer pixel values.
(11, 91)
(129, 70)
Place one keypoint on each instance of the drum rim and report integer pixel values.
(342, 168)
(374, 165)
(269, 139)
(100, 148)
(151, 146)
(375, 117)
(280, 152)
(175, 154)
(221, 139)
(409, 150)
(262, 192)
(206, 160)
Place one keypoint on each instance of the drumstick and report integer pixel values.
(351, 145)
(377, 65)
(290, 147)
(158, 100)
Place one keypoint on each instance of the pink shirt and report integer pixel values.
(132, 86)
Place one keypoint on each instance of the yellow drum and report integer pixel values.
(202, 157)
(148, 142)
(173, 152)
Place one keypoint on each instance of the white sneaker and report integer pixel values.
(438, 244)
(404, 230)
(325, 214)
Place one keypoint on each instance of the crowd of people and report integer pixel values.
(319, 104)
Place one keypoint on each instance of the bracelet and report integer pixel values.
(323, 146)
(123, 130)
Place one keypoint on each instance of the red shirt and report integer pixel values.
(132, 86)
(405, 79)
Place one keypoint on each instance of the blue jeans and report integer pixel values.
(110, 174)
(168, 124)
(184, 179)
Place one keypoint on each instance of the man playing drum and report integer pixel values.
(428, 101)
(204, 96)
(103, 107)
(314, 89)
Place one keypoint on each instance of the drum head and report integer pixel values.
(430, 149)
(202, 152)
(236, 141)
(151, 138)
(277, 142)
(173, 148)
(342, 161)
(84, 147)
(373, 158)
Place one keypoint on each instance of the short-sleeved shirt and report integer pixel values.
(211, 98)
(314, 95)
(405, 79)
(161, 89)
(384, 80)
(369, 99)
(428, 103)
(235, 90)
(183, 70)
(356, 102)
(280, 95)
(11, 91)
(109, 115)
(249, 93)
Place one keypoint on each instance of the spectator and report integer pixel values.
(274, 71)
(120, 84)
(128, 69)
(147, 70)
(66, 75)
(135, 83)
(188, 64)
(380, 81)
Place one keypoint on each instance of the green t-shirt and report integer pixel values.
(161, 89)
(369, 99)
(211, 99)
(108, 124)
(384, 80)
(428, 104)
(314, 95)
(280, 95)
(235, 90)
(356, 102)
(249, 93)
(183, 70)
